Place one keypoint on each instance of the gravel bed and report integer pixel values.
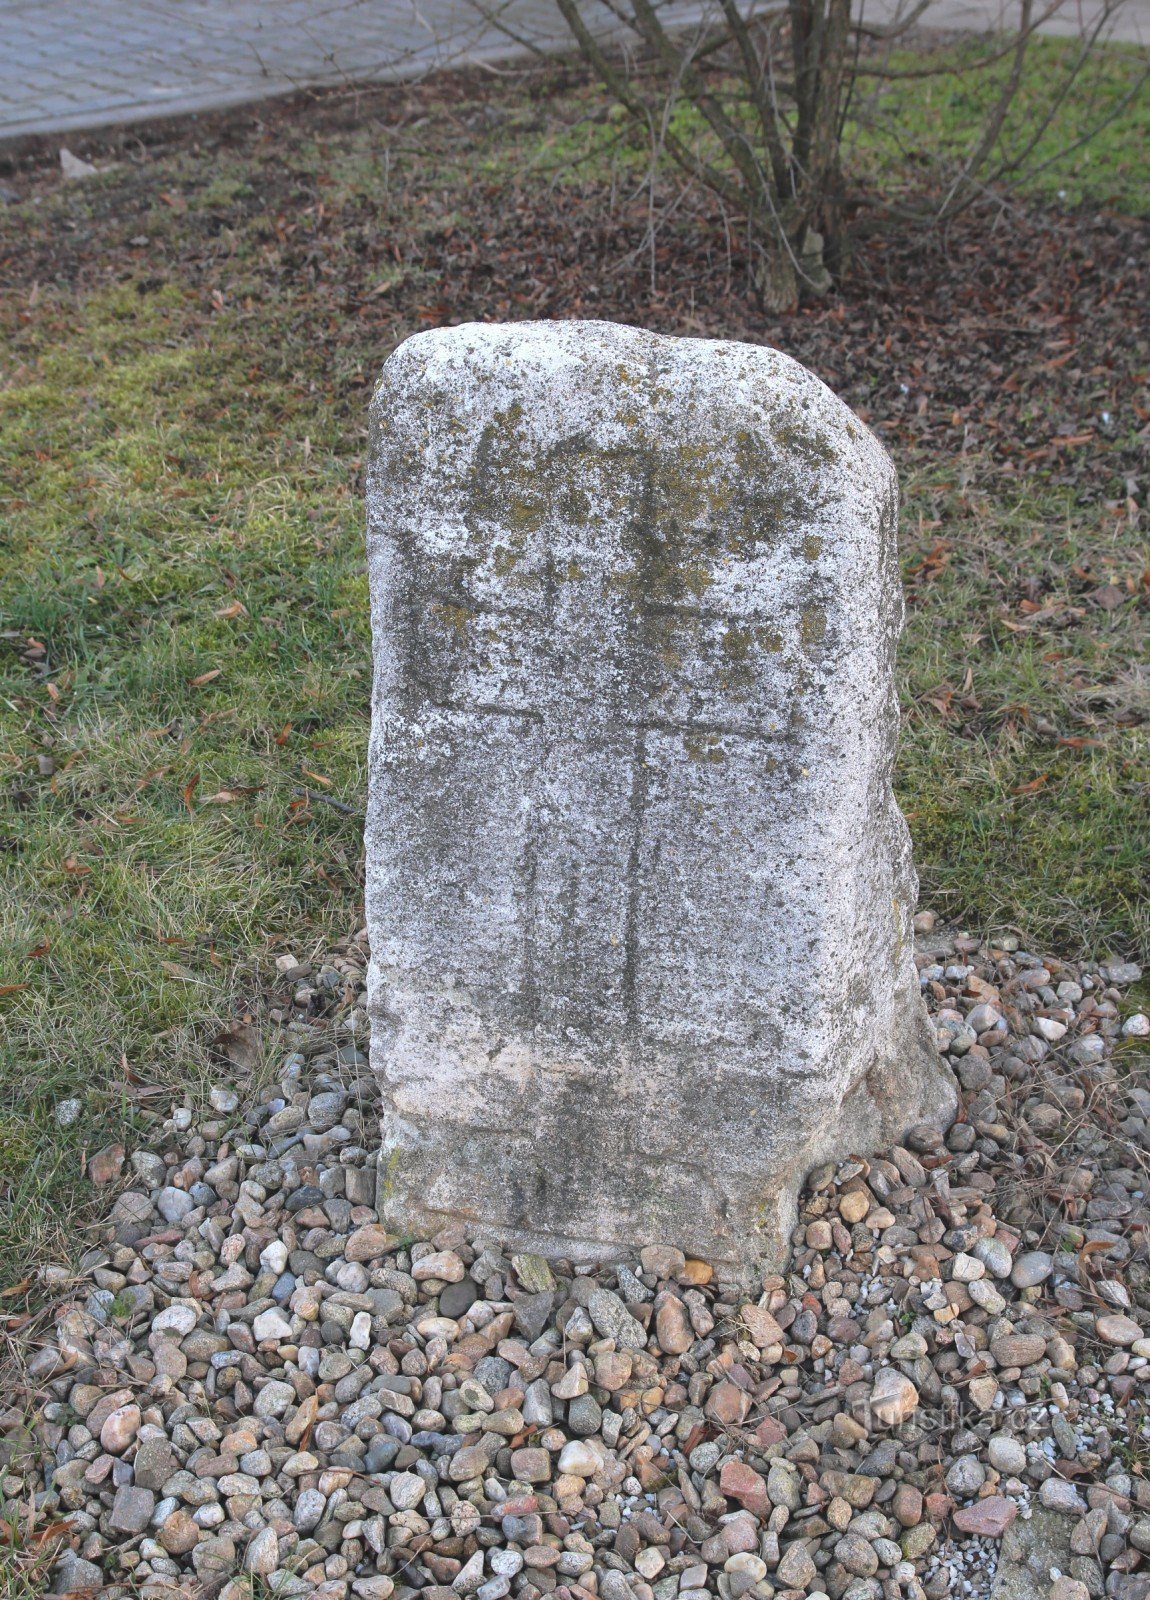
(255, 1388)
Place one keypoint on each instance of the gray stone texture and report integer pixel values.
(638, 891)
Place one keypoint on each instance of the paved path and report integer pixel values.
(67, 64)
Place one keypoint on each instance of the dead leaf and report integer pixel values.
(204, 677)
(238, 1044)
(225, 797)
(236, 609)
(104, 1167)
(175, 970)
(317, 777)
(1033, 786)
(190, 789)
(1109, 597)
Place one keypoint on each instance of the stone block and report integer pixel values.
(638, 890)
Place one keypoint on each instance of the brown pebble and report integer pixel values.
(1018, 1349)
(178, 1533)
(987, 1519)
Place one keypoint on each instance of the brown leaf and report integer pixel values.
(1109, 597)
(204, 677)
(238, 1044)
(236, 609)
(225, 797)
(317, 777)
(282, 735)
(104, 1166)
(174, 970)
(190, 789)
(1031, 787)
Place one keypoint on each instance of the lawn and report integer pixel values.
(189, 342)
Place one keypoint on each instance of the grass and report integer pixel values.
(188, 342)
(1077, 130)
(1024, 763)
(1089, 143)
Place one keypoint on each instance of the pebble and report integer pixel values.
(120, 1429)
(174, 1204)
(1006, 1455)
(306, 1402)
(1018, 1349)
(445, 1265)
(1117, 1330)
(966, 1476)
(178, 1319)
(271, 1324)
(262, 1556)
(579, 1459)
(673, 1326)
(988, 1518)
(131, 1509)
(1031, 1269)
(893, 1398)
(406, 1490)
(179, 1533)
(612, 1319)
(1057, 1495)
(995, 1257)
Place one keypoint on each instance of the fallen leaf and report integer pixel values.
(204, 677)
(225, 797)
(236, 609)
(238, 1044)
(190, 789)
(174, 970)
(1109, 597)
(317, 777)
(105, 1165)
(1032, 786)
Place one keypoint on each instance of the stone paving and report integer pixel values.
(86, 63)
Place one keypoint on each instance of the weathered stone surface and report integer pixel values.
(638, 890)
